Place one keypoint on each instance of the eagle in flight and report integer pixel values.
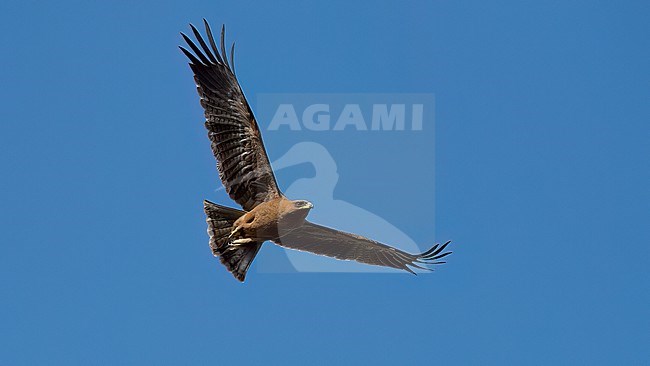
(237, 235)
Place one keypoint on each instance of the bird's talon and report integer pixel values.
(234, 232)
(240, 242)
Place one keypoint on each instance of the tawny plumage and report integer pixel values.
(237, 235)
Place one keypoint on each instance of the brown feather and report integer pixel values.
(329, 242)
(236, 140)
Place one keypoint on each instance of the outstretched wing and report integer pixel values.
(325, 241)
(237, 145)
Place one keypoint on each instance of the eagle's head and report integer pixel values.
(302, 205)
(293, 213)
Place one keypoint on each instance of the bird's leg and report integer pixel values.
(236, 237)
(234, 231)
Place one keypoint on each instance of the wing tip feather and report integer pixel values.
(432, 256)
(207, 57)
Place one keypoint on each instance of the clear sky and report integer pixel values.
(540, 177)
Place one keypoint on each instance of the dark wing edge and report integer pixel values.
(332, 243)
(236, 140)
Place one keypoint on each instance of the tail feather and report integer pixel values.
(237, 259)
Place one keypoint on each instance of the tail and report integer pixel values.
(237, 259)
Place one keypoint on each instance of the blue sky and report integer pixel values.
(538, 172)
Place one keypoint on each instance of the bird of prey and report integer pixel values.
(237, 235)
